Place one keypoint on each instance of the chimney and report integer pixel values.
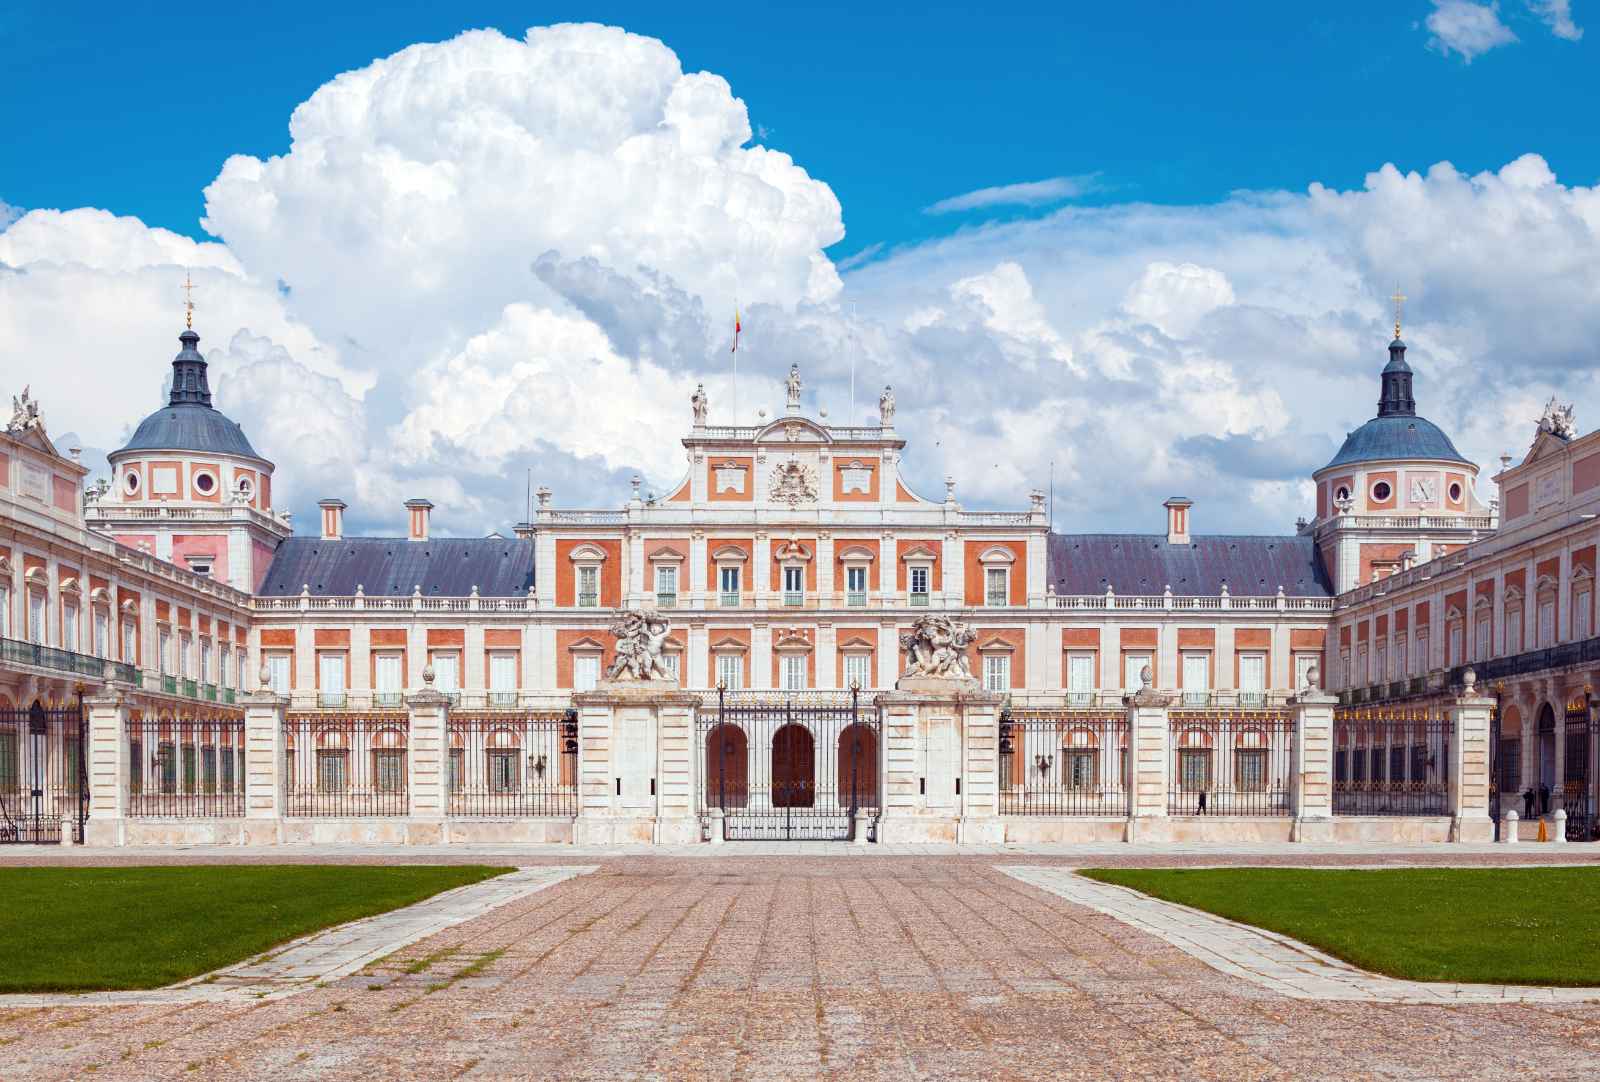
(419, 518)
(332, 519)
(1178, 519)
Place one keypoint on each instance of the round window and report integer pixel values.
(204, 483)
(1381, 492)
(1342, 494)
(1455, 491)
(244, 485)
(130, 482)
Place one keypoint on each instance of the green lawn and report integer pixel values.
(1514, 925)
(81, 929)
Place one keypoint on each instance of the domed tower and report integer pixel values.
(190, 489)
(1398, 492)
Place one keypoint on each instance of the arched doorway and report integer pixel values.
(794, 768)
(727, 767)
(857, 776)
(1547, 759)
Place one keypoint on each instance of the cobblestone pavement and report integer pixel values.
(749, 967)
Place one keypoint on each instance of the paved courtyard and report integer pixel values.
(743, 966)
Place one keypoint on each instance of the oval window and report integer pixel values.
(130, 482)
(1455, 491)
(1342, 494)
(244, 485)
(204, 483)
(1381, 492)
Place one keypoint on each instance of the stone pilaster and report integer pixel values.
(939, 737)
(1311, 786)
(636, 764)
(1469, 766)
(980, 772)
(263, 766)
(1150, 762)
(428, 763)
(107, 765)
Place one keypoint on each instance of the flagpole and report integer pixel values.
(853, 418)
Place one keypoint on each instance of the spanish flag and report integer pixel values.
(735, 348)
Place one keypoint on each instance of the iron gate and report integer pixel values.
(789, 767)
(1577, 795)
(43, 777)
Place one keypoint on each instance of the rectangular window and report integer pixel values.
(585, 672)
(69, 627)
(1194, 770)
(226, 764)
(1510, 765)
(1419, 664)
(1547, 624)
(389, 770)
(994, 590)
(794, 585)
(855, 585)
(728, 586)
(130, 643)
(503, 678)
(458, 762)
(1196, 677)
(205, 659)
(1132, 666)
(792, 672)
(1380, 664)
(278, 673)
(588, 587)
(997, 672)
(36, 617)
(730, 671)
(666, 586)
(1080, 674)
(183, 655)
(1580, 614)
(102, 633)
(1455, 644)
(673, 663)
(1401, 662)
(858, 670)
(1303, 664)
(447, 672)
(1485, 637)
(1513, 633)
(1080, 769)
(5, 612)
(504, 776)
(330, 679)
(164, 651)
(225, 667)
(1250, 769)
(135, 765)
(331, 772)
(386, 680)
(919, 584)
(1252, 678)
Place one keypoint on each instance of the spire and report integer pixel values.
(189, 387)
(1395, 399)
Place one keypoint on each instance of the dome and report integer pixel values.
(1403, 437)
(188, 422)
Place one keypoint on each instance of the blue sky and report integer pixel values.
(134, 106)
(1180, 286)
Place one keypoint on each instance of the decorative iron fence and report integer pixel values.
(1225, 763)
(338, 765)
(185, 768)
(1577, 782)
(43, 778)
(514, 765)
(1063, 763)
(1392, 762)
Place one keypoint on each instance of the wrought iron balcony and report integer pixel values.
(729, 599)
(1197, 698)
(793, 599)
(995, 599)
(1080, 698)
(502, 699)
(856, 599)
(388, 700)
(918, 599)
(1252, 698)
(188, 688)
(208, 692)
(588, 601)
(50, 657)
(331, 699)
(666, 601)
(169, 684)
(228, 696)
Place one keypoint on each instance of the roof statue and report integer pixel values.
(793, 384)
(701, 404)
(641, 635)
(886, 407)
(937, 647)
(24, 414)
(1557, 420)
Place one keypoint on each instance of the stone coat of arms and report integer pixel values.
(793, 484)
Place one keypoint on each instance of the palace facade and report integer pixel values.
(794, 567)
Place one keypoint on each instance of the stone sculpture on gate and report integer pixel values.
(641, 637)
(24, 414)
(1558, 420)
(937, 647)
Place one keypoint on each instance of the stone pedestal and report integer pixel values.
(636, 764)
(1150, 763)
(428, 765)
(939, 765)
(107, 766)
(1312, 779)
(263, 768)
(1469, 767)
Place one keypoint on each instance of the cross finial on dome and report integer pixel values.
(1399, 299)
(188, 301)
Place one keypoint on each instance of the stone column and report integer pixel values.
(939, 767)
(107, 765)
(637, 764)
(263, 766)
(428, 763)
(1149, 740)
(1469, 764)
(1312, 779)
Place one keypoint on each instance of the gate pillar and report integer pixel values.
(1150, 761)
(1469, 766)
(938, 735)
(263, 766)
(427, 763)
(636, 764)
(1311, 783)
(107, 721)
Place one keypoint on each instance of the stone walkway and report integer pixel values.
(735, 968)
(1275, 962)
(326, 955)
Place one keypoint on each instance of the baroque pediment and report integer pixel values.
(787, 430)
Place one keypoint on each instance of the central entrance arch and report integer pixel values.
(794, 767)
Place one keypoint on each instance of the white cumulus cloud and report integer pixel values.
(1557, 15)
(1466, 28)
(1032, 193)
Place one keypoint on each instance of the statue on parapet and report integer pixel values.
(24, 413)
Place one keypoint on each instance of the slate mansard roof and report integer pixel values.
(1390, 438)
(190, 428)
(1147, 564)
(395, 566)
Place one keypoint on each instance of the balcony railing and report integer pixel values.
(169, 684)
(666, 601)
(208, 692)
(793, 599)
(994, 599)
(228, 696)
(1080, 698)
(856, 599)
(50, 657)
(502, 699)
(918, 599)
(588, 601)
(728, 599)
(189, 689)
(1197, 698)
(388, 700)
(331, 699)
